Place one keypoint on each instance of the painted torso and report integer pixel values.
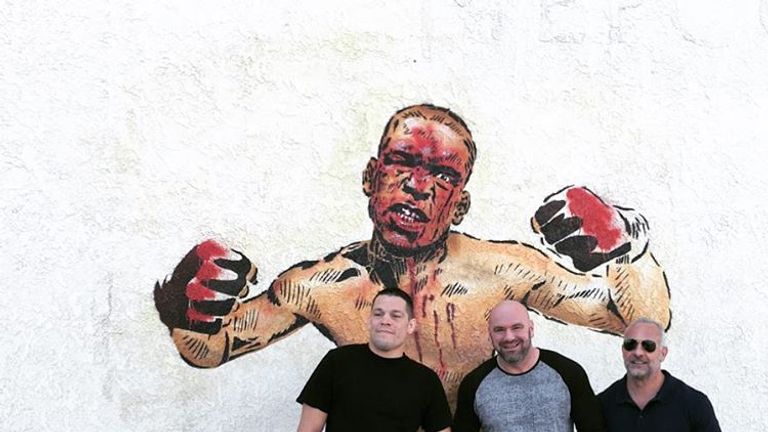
(452, 291)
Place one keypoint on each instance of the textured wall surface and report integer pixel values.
(129, 131)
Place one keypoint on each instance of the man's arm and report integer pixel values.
(598, 271)
(703, 413)
(254, 325)
(312, 419)
(465, 419)
(586, 412)
(606, 302)
(438, 414)
(203, 305)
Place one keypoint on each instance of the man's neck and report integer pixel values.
(523, 366)
(381, 252)
(642, 390)
(392, 354)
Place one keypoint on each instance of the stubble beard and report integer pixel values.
(639, 372)
(513, 358)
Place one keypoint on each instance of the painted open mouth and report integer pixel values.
(408, 213)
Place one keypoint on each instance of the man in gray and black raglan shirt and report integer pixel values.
(524, 388)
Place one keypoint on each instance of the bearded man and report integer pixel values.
(525, 388)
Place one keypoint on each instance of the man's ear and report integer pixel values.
(368, 173)
(530, 332)
(411, 326)
(664, 352)
(462, 207)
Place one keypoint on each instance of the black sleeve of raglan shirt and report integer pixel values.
(586, 412)
(465, 419)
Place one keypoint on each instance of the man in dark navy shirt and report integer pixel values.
(648, 399)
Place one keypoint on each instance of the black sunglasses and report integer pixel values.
(630, 344)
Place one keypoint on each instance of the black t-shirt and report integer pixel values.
(361, 391)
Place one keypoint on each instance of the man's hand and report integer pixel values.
(204, 288)
(580, 225)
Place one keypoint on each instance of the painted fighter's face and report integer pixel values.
(417, 184)
(640, 363)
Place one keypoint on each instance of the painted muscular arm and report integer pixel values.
(203, 304)
(597, 272)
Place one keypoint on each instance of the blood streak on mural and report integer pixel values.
(596, 270)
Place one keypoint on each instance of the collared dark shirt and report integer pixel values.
(675, 408)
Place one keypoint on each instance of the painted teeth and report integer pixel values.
(408, 214)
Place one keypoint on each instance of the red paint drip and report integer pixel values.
(410, 264)
(450, 312)
(598, 219)
(441, 362)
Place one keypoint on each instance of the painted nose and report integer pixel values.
(417, 186)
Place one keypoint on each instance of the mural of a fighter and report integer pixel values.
(594, 268)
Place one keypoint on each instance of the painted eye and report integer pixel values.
(446, 177)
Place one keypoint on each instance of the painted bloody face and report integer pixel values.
(417, 182)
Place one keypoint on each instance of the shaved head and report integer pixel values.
(509, 309)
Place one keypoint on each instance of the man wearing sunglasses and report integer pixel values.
(648, 398)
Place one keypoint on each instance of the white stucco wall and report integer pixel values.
(129, 131)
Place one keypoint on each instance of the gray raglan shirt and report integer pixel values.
(551, 397)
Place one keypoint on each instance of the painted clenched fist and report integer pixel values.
(580, 225)
(204, 288)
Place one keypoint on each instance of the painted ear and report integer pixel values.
(368, 172)
(462, 207)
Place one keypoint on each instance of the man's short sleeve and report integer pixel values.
(465, 419)
(318, 392)
(704, 419)
(438, 414)
(586, 412)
